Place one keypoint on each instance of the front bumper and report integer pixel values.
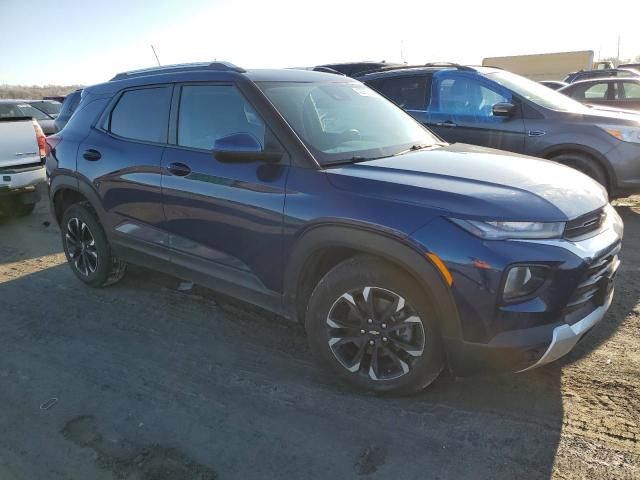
(489, 336)
(565, 337)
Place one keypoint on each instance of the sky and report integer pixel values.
(84, 42)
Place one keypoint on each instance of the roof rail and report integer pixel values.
(180, 67)
(427, 65)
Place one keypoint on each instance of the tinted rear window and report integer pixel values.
(142, 114)
(408, 92)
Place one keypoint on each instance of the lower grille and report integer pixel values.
(601, 270)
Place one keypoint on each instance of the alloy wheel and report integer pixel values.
(375, 333)
(81, 247)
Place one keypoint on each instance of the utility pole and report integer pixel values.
(156, 55)
(618, 56)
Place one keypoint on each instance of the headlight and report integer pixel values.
(496, 230)
(625, 134)
(522, 281)
(613, 220)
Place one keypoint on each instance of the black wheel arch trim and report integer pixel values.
(396, 250)
(70, 182)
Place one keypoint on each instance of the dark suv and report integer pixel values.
(494, 108)
(312, 196)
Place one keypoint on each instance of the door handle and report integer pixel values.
(92, 155)
(179, 169)
(447, 123)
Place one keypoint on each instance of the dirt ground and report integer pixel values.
(141, 381)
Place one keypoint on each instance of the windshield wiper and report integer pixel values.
(414, 148)
(348, 161)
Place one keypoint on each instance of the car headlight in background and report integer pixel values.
(625, 134)
(522, 281)
(497, 230)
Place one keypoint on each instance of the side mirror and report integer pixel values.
(243, 148)
(503, 109)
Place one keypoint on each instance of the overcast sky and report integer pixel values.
(88, 41)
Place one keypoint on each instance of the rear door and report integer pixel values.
(628, 95)
(461, 110)
(121, 159)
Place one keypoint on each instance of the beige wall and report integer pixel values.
(546, 66)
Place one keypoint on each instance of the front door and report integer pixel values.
(461, 110)
(224, 219)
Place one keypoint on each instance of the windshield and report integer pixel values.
(28, 111)
(536, 92)
(51, 108)
(341, 122)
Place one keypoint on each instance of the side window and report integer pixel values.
(628, 91)
(463, 95)
(409, 93)
(142, 114)
(596, 92)
(210, 112)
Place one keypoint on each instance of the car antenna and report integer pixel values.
(156, 55)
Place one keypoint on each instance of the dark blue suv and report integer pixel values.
(312, 196)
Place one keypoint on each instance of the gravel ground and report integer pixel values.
(141, 381)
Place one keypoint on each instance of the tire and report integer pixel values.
(401, 330)
(87, 249)
(585, 164)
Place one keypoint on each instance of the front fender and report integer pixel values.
(397, 250)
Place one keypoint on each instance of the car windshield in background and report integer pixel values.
(342, 122)
(535, 92)
(10, 110)
(50, 108)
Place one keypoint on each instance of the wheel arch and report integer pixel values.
(67, 190)
(598, 157)
(322, 247)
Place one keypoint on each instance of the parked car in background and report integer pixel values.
(495, 108)
(311, 195)
(22, 154)
(553, 84)
(69, 106)
(621, 93)
(635, 66)
(56, 98)
(21, 108)
(50, 107)
(353, 69)
(603, 73)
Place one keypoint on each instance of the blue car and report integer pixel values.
(312, 196)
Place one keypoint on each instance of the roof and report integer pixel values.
(604, 79)
(409, 70)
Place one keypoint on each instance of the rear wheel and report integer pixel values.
(375, 327)
(87, 248)
(584, 164)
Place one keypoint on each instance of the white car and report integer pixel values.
(22, 154)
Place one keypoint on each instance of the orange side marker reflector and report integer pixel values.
(442, 268)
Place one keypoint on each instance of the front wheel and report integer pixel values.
(87, 248)
(375, 327)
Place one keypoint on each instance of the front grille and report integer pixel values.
(591, 282)
(584, 224)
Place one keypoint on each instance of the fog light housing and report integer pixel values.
(522, 281)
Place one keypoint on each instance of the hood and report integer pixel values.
(476, 182)
(611, 116)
